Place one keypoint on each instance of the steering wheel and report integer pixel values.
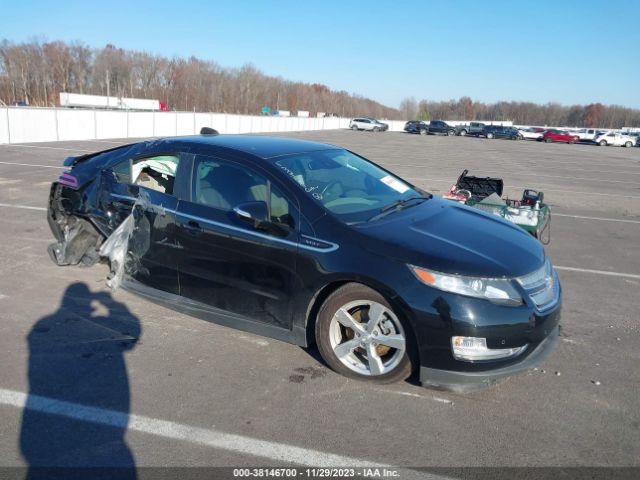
(328, 187)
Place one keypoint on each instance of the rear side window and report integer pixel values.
(156, 173)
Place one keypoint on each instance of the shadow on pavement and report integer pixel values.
(76, 355)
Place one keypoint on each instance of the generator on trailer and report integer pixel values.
(485, 193)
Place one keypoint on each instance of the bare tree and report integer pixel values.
(409, 108)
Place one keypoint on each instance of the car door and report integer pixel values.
(228, 263)
(146, 185)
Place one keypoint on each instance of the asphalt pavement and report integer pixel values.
(183, 392)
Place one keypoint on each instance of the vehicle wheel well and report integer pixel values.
(314, 306)
(323, 294)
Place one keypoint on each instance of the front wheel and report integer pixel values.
(489, 135)
(423, 132)
(463, 133)
(602, 143)
(548, 140)
(360, 336)
(451, 133)
(354, 127)
(376, 129)
(628, 144)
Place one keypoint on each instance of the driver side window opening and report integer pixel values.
(224, 185)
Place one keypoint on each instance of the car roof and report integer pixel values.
(259, 145)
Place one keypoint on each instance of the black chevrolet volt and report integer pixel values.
(310, 243)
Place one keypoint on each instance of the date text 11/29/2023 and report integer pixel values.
(368, 472)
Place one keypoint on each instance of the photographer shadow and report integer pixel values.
(77, 371)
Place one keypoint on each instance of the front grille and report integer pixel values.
(542, 286)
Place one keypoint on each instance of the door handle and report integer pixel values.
(193, 227)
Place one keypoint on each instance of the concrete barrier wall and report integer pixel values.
(30, 124)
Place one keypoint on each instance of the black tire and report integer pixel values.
(376, 129)
(571, 142)
(489, 136)
(354, 127)
(628, 144)
(451, 133)
(462, 133)
(423, 131)
(548, 140)
(602, 143)
(353, 293)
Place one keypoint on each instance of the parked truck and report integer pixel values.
(78, 100)
(474, 129)
(587, 134)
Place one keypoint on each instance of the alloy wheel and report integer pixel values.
(367, 338)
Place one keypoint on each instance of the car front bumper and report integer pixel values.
(475, 380)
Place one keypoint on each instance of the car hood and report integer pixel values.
(448, 237)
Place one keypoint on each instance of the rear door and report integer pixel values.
(227, 263)
(147, 185)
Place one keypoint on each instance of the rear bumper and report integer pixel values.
(470, 381)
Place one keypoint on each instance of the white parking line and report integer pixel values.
(598, 272)
(176, 431)
(25, 207)
(32, 165)
(47, 147)
(596, 218)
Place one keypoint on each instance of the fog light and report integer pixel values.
(471, 349)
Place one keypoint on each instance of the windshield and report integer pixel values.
(347, 185)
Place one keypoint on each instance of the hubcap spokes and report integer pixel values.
(372, 347)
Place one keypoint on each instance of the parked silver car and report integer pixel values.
(368, 123)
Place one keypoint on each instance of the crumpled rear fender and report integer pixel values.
(78, 240)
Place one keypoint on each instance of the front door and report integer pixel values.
(228, 263)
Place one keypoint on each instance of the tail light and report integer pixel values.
(69, 180)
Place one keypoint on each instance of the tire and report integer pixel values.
(602, 143)
(548, 140)
(451, 133)
(628, 144)
(571, 142)
(376, 129)
(423, 132)
(489, 135)
(463, 133)
(343, 320)
(354, 127)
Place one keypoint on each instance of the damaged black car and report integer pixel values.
(313, 244)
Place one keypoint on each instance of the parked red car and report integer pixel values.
(559, 136)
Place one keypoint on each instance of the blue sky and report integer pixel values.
(565, 51)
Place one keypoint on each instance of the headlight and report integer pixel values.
(496, 290)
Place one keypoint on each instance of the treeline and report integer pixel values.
(36, 72)
(524, 113)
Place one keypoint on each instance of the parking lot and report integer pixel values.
(199, 394)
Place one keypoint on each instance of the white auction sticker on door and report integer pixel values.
(397, 185)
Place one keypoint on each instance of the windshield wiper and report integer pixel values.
(398, 205)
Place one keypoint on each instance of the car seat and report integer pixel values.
(225, 187)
